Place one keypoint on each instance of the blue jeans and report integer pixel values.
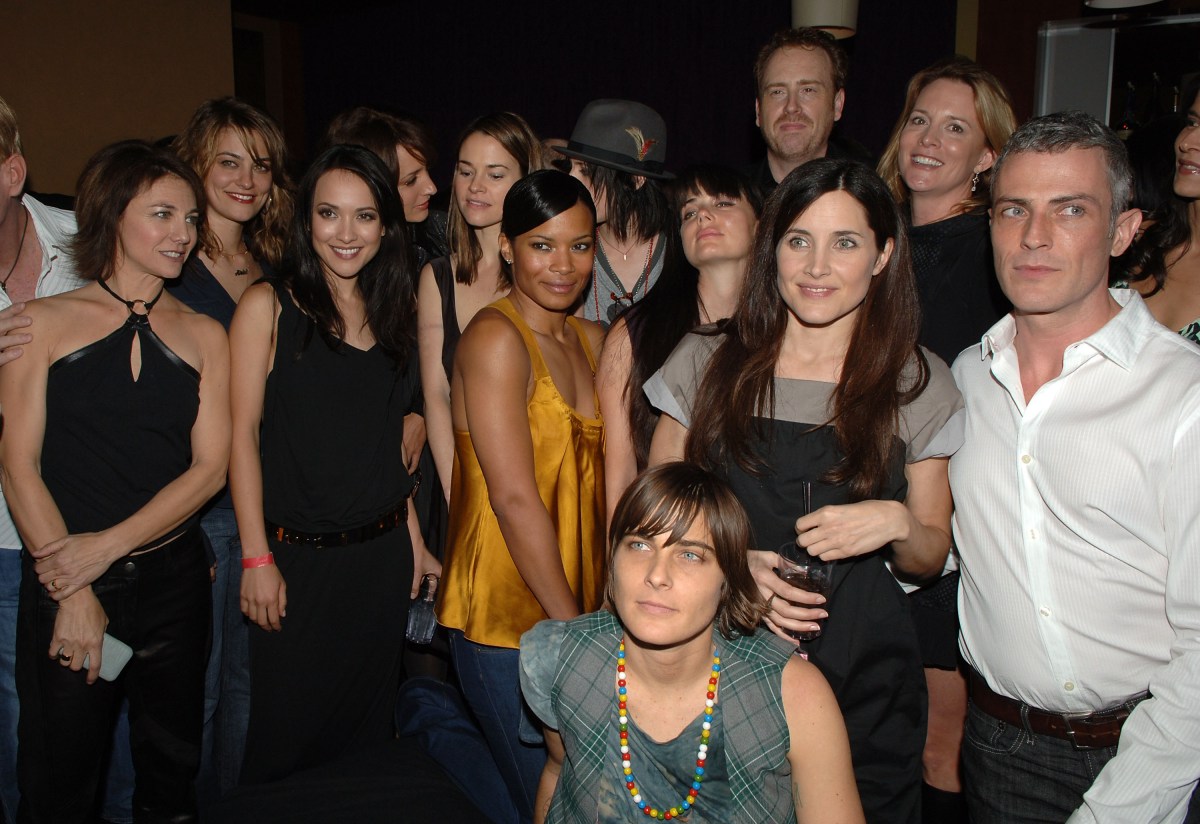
(117, 804)
(1011, 774)
(227, 680)
(491, 683)
(10, 596)
(433, 712)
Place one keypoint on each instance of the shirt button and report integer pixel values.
(1026, 459)
(1070, 685)
(1045, 613)
(130, 566)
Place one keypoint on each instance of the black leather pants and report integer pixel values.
(160, 604)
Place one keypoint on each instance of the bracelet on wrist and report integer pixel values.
(258, 561)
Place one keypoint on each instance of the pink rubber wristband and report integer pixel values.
(258, 561)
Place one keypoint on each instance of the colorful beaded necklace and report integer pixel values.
(701, 754)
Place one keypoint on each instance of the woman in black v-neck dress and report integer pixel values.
(817, 378)
(326, 370)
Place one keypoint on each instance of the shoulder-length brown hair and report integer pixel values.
(514, 134)
(667, 499)
(739, 384)
(267, 234)
(992, 108)
(112, 177)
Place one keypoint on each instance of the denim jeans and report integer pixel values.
(116, 806)
(227, 680)
(10, 596)
(1010, 774)
(432, 712)
(491, 683)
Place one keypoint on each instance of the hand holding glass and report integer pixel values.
(804, 571)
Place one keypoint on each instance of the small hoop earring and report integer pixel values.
(974, 182)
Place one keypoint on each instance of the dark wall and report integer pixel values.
(449, 62)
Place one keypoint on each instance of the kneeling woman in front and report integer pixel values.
(620, 688)
(116, 431)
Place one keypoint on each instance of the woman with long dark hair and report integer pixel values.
(406, 148)
(1163, 263)
(116, 432)
(325, 373)
(817, 380)
(526, 539)
(717, 210)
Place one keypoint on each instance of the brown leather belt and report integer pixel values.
(1085, 732)
(380, 526)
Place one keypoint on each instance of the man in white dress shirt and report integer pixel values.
(1077, 497)
(34, 263)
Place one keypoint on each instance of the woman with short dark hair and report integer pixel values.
(116, 432)
(681, 609)
(717, 211)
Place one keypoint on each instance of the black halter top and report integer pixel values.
(112, 440)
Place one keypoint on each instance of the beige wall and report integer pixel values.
(81, 74)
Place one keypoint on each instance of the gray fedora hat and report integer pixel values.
(622, 134)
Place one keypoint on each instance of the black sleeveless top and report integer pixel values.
(112, 442)
(333, 422)
(443, 276)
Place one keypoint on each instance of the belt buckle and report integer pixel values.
(1073, 734)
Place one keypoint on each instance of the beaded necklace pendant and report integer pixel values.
(689, 800)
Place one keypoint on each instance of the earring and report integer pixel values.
(509, 262)
(974, 182)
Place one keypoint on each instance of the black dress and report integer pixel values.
(868, 647)
(333, 421)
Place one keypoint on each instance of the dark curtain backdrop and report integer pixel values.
(448, 62)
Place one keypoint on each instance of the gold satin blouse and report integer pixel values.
(482, 593)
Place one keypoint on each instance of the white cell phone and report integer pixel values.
(114, 655)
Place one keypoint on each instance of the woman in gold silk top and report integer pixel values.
(526, 538)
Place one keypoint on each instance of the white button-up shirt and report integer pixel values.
(1077, 520)
(55, 228)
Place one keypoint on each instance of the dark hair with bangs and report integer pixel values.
(632, 211)
(381, 132)
(670, 310)
(739, 384)
(385, 282)
(112, 177)
(667, 499)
